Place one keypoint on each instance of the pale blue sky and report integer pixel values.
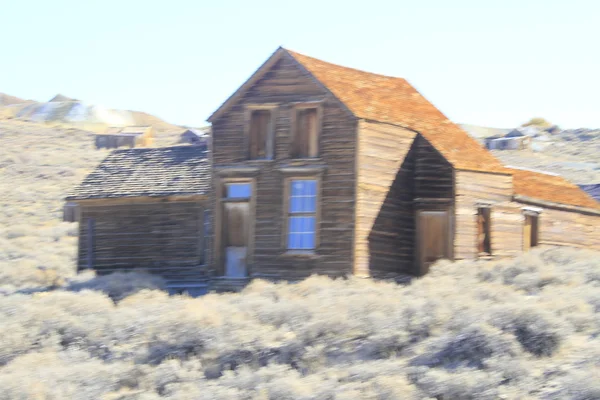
(494, 63)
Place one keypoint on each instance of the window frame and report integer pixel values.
(270, 144)
(318, 106)
(287, 181)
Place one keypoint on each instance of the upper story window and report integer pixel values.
(260, 135)
(305, 132)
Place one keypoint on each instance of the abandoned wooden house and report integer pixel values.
(318, 168)
(129, 136)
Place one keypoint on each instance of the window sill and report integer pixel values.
(260, 161)
(300, 253)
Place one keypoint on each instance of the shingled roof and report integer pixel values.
(551, 188)
(154, 172)
(393, 100)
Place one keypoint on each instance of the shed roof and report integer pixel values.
(551, 188)
(155, 172)
(393, 100)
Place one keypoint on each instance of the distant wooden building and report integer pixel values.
(318, 168)
(195, 137)
(514, 140)
(129, 136)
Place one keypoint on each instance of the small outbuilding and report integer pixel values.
(513, 140)
(196, 137)
(129, 136)
(145, 209)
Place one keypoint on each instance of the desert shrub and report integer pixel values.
(538, 332)
(119, 285)
(470, 347)
(66, 375)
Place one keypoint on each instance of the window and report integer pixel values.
(302, 214)
(305, 136)
(260, 143)
(241, 190)
(530, 231)
(484, 243)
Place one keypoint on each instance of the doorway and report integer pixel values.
(433, 238)
(235, 232)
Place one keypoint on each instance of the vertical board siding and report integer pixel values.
(384, 237)
(286, 84)
(162, 237)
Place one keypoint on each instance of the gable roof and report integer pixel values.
(154, 172)
(389, 100)
(551, 188)
(393, 100)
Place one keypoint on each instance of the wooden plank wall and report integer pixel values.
(286, 84)
(164, 237)
(384, 237)
(567, 228)
(433, 173)
(506, 222)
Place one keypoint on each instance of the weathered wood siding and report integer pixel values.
(283, 85)
(472, 189)
(567, 228)
(163, 237)
(384, 238)
(433, 173)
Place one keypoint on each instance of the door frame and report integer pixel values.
(218, 228)
(428, 205)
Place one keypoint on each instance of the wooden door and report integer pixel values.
(235, 238)
(433, 238)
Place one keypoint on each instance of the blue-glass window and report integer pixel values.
(302, 214)
(238, 190)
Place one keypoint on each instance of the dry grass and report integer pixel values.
(517, 329)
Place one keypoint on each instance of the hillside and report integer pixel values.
(524, 328)
(69, 112)
(6, 100)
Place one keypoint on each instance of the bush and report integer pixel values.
(119, 285)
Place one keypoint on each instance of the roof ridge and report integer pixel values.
(293, 53)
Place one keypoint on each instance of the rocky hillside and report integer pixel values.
(64, 110)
